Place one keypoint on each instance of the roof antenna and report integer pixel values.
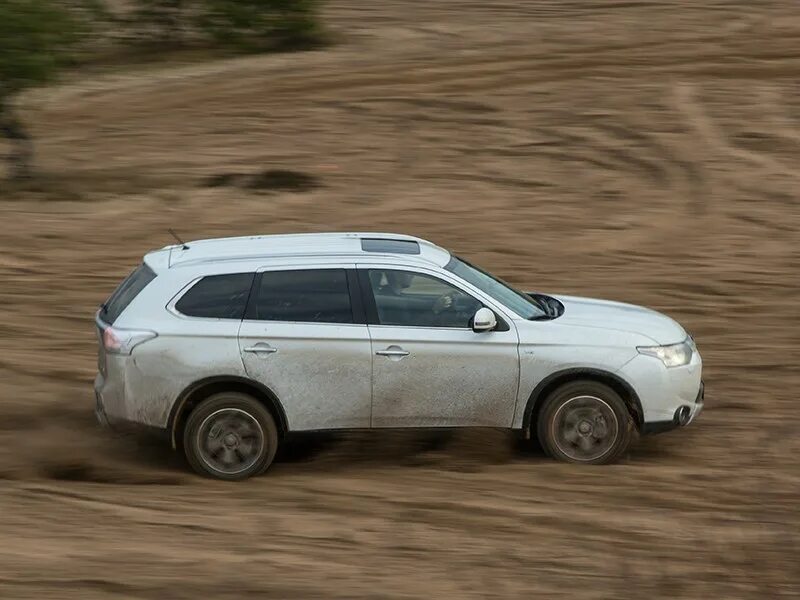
(180, 241)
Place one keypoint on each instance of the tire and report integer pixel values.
(230, 436)
(584, 422)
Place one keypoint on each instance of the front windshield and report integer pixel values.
(520, 303)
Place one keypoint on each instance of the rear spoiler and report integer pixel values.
(159, 260)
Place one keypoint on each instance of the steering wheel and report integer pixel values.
(464, 304)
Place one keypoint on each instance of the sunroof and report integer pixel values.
(390, 246)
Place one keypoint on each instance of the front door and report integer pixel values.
(302, 339)
(430, 369)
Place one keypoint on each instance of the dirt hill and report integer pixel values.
(640, 151)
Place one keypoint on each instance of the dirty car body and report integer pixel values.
(363, 330)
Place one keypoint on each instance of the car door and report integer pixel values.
(430, 369)
(306, 340)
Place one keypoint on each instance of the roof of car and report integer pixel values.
(347, 245)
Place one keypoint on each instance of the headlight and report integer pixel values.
(675, 355)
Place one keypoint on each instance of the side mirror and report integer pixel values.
(484, 320)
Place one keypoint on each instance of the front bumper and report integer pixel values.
(699, 403)
(684, 415)
(665, 392)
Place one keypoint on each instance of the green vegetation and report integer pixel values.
(37, 38)
(239, 25)
(257, 25)
(162, 21)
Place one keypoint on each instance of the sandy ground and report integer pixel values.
(640, 151)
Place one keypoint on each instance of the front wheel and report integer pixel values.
(584, 422)
(230, 436)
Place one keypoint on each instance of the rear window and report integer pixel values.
(217, 297)
(125, 293)
(311, 296)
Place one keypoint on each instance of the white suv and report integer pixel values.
(228, 345)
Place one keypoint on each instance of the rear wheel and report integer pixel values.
(584, 422)
(230, 436)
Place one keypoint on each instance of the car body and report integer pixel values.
(365, 331)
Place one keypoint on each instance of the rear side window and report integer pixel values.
(125, 293)
(310, 296)
(217, 297)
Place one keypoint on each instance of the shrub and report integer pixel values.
(164, 21)
(257, 25)
(241, 25)
(37, 38)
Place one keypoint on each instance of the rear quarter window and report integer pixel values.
(126, 292)
(217, 297)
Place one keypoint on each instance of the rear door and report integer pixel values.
(304, 336)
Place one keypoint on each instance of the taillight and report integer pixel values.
(110, 341)
(123, 341)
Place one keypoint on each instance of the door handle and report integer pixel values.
(392, 353)
(261, 349)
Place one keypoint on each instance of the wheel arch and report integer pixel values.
(556, 380)
(199, 390)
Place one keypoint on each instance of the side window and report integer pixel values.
(310, 296)
(217, 297)
(419, 300)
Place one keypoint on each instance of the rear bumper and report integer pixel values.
(680, 419)
(104, 395)
(100, 411)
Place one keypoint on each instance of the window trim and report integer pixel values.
(372, 308)
(180, 294)
(356, 304)
(356, 298)
(172, 308)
